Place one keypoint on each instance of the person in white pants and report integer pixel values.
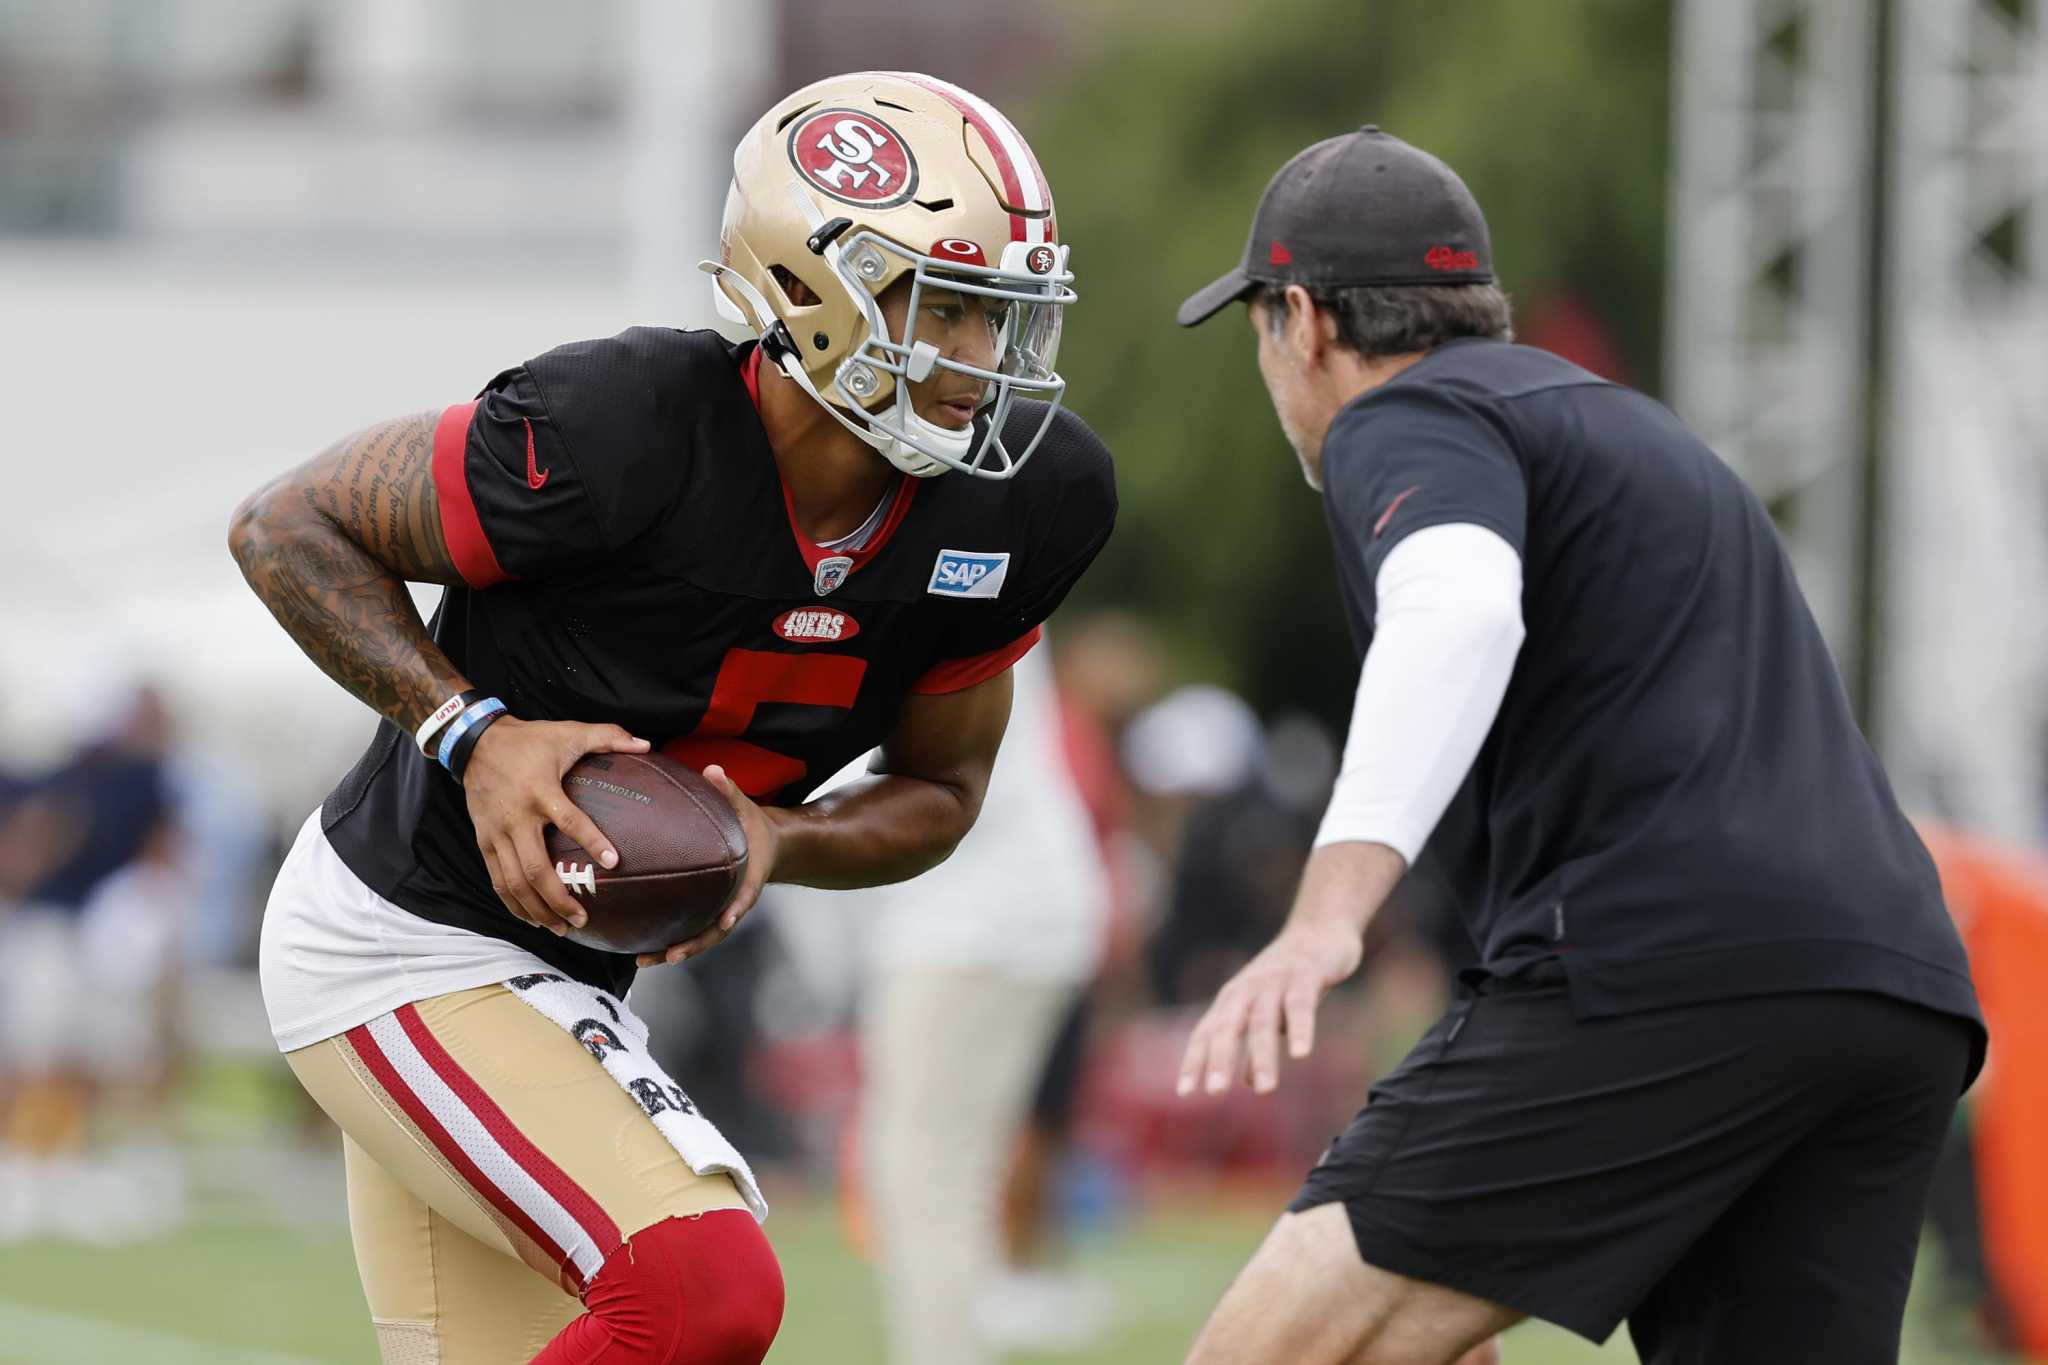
(972, 967)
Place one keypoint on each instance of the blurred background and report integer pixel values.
(231, 230)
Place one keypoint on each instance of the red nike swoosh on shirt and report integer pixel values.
(1377, 526)
(536, 477)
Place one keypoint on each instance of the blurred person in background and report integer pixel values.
(1194, 746)
(91, 859)
(1250, 811)
(517, 1190)
(1107, 666)
(971, 968)
(41, 1108)
(1233, 806)
(1693, 891)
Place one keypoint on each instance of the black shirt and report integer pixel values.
(630, 557)
(1674, 799)
(114, 802)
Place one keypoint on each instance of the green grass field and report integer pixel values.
(262, 1273)
(250, 1282)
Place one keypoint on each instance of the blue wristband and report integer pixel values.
(462, 725)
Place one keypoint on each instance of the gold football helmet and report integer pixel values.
(849, 184)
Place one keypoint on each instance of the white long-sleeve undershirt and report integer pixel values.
(1448, 627)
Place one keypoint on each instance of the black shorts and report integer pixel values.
(1742, 1180)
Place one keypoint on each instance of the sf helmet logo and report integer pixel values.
(854, 157)
(1040, 260)
(852, 145)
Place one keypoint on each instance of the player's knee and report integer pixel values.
(705, 1290)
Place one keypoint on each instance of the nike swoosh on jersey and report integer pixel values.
(534, 477)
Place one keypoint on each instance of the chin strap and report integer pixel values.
(778, 347)
(959, 444)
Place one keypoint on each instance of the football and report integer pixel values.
(682, 852)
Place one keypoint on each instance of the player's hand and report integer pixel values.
(514, 787)
(763, 842)
(1277, 991)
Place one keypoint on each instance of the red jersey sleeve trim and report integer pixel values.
(468, 546)
(957, 675)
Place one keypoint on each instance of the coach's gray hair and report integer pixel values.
(1398, 319)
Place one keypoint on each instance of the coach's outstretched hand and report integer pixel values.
(763, 840)
(514, 787)
(1279, 990)
(1276, 991)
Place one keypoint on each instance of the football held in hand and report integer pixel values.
(682, 852)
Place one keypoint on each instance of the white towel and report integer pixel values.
(615, 1036)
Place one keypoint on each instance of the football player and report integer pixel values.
(761, 559)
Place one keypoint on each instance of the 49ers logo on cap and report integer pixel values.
(812, 625)
(854, 157)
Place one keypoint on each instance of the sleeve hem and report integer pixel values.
(468, 546)
(1382, 546)
(957, 675)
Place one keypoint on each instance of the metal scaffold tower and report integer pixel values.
(1966, 414)
(1767, 344)
(1896, 419)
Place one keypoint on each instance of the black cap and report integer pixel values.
(1363, 208)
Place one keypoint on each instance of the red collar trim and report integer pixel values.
(813, 553)
(750, 371)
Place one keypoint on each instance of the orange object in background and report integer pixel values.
(2000, 902)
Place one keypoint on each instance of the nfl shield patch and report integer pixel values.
(831, 572)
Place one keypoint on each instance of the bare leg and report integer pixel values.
(1308, 1298)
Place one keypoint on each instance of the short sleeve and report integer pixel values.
(1064, 512)
(556, 466)
(1409, 457)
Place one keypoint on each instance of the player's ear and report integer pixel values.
(1309, 331)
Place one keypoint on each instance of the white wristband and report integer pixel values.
(432, 725)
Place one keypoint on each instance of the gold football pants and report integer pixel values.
(492, 1165)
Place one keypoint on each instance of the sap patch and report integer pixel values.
(963, 573)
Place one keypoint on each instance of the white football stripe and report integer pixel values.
(476, 1141)
(1012, 146)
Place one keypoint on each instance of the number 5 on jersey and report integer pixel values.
(747, 678)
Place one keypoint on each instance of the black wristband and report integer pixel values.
(458, 757)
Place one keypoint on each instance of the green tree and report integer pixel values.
(1554, 112)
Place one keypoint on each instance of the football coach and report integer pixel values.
(1721, 1018)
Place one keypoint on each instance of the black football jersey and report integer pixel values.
(629, 555)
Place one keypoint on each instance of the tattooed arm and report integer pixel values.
(329, 548)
